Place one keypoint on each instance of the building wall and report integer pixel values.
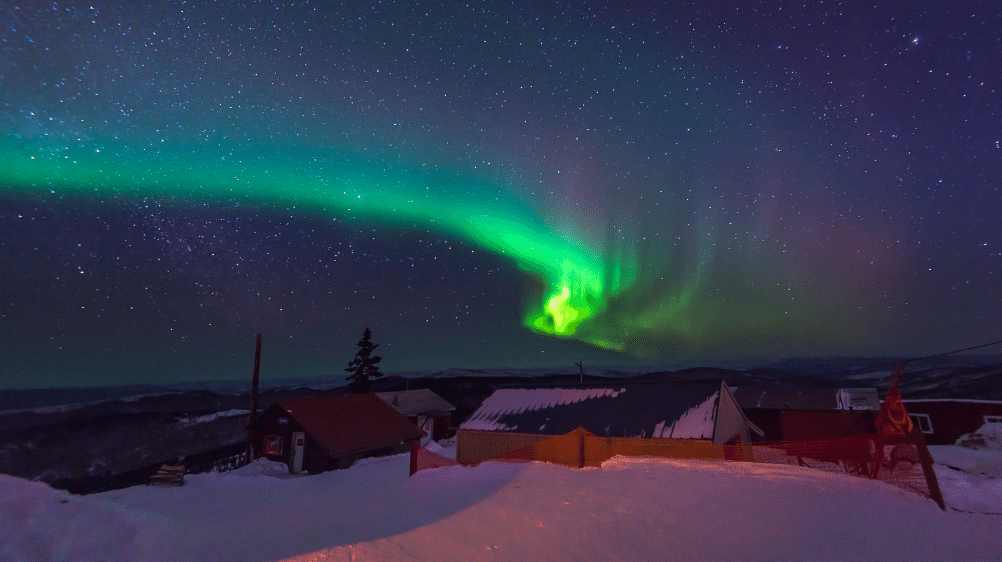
(443, 427)
(474, 445)
(952, 418)
(810, 426)
(270, 424)
(730, 421)
(801, 425)
(769, 421)
(600, 449)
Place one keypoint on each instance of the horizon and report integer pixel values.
(808, 366)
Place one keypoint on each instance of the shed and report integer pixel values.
(807, 415)
(513, 418)
(425, 409)
(331, 432)
(946, 421)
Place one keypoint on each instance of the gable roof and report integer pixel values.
(415, 402)
(678, 411)
(351, 422)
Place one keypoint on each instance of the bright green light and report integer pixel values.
(578, 283)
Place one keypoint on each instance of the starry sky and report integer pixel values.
(491, 184)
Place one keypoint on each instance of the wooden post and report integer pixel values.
(257, 373)
(253, 406)
(414, 455)
(927, 469)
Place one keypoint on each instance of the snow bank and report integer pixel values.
(971, 461)
(629, 509)
(988, 437)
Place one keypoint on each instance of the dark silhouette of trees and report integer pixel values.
(365, 365)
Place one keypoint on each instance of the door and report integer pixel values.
(298, 446)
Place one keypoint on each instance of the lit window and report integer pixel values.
(273, 444)
(922, 421)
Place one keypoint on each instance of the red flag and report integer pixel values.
(893, 420)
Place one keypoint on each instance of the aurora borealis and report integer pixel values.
(485, 184)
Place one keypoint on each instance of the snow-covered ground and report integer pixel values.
(629, 509)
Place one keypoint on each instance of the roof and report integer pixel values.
(816, 399)
(351, 422)
(415, 402)
(679, 411)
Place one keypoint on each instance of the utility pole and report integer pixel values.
(254, 384)
(257, 373)
(580, 371)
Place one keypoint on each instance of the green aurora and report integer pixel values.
(579, 282)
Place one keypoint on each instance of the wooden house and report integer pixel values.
(807, 415)
(945, 421)
(425, 409)
(515, 418)
(331, 432)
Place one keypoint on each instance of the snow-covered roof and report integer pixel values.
(678, 411)
(416, 402)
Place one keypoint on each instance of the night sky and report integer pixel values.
(485, 184)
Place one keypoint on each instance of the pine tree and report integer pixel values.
(364, 366)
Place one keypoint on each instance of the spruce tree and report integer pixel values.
(364, 366)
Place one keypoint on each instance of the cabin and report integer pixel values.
(949, 421)
(808, 415)
(515, 418)
(425, 409)
(320, 434)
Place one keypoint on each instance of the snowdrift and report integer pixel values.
(629, 509)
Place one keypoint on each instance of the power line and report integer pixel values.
(903, 361)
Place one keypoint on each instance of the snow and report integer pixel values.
(629, 509)
(213, 416)
(518, 400)
(971, 461)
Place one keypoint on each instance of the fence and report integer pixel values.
(223, 459)
(905, 463)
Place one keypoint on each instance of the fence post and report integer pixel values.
(414, 455)
(930, 473)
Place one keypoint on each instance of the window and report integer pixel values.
(273, 444)
(283, 420)
(993, 419)
(922, 421)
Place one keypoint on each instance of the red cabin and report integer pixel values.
(321, 434)
(944, 421)
(808, 415)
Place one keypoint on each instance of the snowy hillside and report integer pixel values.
(630, 509)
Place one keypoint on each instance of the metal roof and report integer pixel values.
(351, 422)
(814, 399)
(416, 402)
(679, 411)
